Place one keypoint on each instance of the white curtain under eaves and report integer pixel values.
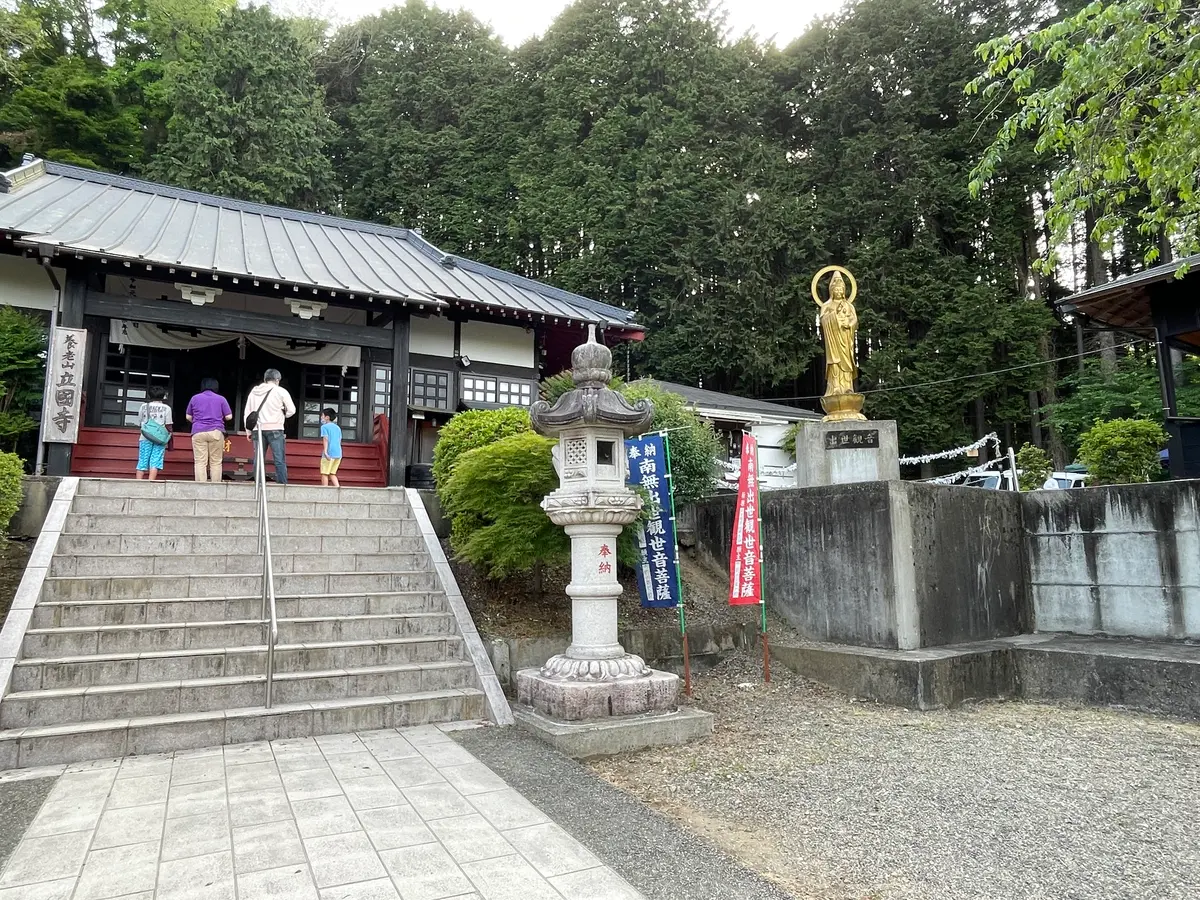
(142, 334)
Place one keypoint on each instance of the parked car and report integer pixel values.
(996, 481)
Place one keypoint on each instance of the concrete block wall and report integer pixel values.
(893, 565)
(1122, 560)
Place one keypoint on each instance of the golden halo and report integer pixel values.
(826, 270)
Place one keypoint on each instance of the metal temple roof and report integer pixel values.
(714, 400)
(1125, 302)
(127, 219)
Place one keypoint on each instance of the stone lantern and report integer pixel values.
(595, 679)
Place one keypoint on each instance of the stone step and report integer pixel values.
(95, 523)
(99, 639)
(216, 609)
(100, 544)
(217, 564)
(31, 674)
(190, 490)
(23, 709)
(55, 744)
(247, 508)
(142, 587)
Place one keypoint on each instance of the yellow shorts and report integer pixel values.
(330, 466)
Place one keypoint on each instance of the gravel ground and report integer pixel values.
(833, 799)
(660, 859)
(19, 804)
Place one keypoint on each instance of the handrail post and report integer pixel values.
(268, 615)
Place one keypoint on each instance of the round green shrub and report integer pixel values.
(1122, 451)
(11, 472)
(493, 502)
(472, 429)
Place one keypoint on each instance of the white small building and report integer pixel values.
(731, 416)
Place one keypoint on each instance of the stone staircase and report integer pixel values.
(147, 635)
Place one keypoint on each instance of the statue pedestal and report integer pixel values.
(846, 452)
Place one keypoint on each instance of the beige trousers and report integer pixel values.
(208, 448)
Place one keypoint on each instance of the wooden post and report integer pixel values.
(398, 438)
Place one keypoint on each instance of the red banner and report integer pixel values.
(745, 560)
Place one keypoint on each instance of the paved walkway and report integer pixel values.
(404, 814)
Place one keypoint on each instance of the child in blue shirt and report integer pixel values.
(331, 447)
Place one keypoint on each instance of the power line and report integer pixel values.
(910, 387)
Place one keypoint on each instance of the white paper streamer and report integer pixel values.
(950, 454)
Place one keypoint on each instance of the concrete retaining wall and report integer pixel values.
(894, 565)
(35, 504)
(1121, 560)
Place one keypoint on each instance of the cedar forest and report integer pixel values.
(639, 155)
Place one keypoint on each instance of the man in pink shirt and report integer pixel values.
(273, 404)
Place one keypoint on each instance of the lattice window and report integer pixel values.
(429, 389)
(326, 386)
(478, 389)
(515, 393)
(128, 374)
(381, 399)
(575, 452)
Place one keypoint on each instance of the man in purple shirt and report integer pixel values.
(208, 412)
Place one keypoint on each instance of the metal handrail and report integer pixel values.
(269, 620)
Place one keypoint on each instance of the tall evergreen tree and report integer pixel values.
(248, 117)
(886, 140)
(422, 97)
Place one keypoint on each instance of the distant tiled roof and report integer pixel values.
(111, 216)
(718, 401)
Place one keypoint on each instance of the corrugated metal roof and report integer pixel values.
(731, 402)
(111, 216)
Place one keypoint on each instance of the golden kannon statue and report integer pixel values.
(839, 329)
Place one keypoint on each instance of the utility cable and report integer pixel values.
(925, 384)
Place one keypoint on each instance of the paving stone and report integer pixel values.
(46, 858)
(196, 835)
(266, 846)
(372, 792)
(252, 776)
(507, 809)
(411, 772)
(437, 801)
(59, 889)
(509, 878)
(332, 744)
(323, 816)
(139, 791)
(130, 825)
(351, 765)
(118, 871)
(343, 858)
(551, 850)
(286, 883)
(470, 838)
(197, 878)
(379, 889)
(395, 826)
(473, 778)
(310, 783)
(59, 817)
(594, 884)
(196, 799)
(426, 872)
(445, 753)
(248, 753)
(257, 807)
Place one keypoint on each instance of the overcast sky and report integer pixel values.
(516, 20)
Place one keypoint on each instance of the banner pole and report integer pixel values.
(762, 577)
(687, 659)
